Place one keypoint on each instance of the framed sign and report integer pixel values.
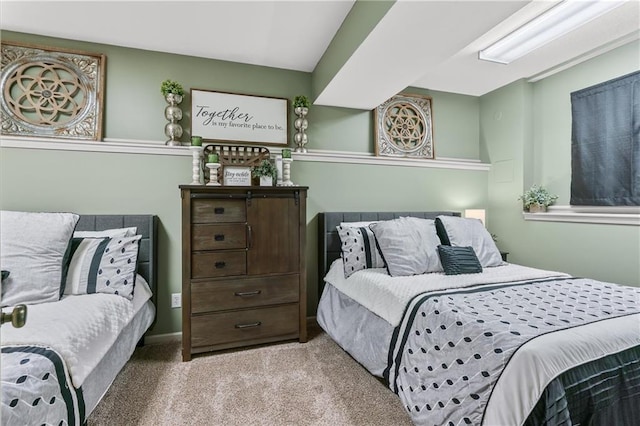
(236, 176)
(233, 117)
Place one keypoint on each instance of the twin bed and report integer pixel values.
(58, 366)
(506, 345)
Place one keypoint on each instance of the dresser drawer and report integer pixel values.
(238, 293)
(212, 210)
(238, 326)
(218, 264)
(217, 237)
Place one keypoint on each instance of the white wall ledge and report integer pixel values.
(623, 215)
(130, 146)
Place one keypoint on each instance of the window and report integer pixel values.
(605, 143)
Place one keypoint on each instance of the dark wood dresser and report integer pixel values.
(243, 266)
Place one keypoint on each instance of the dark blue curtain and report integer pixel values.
(605, 143)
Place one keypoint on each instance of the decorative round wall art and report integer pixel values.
(47, 93)
(403, 127)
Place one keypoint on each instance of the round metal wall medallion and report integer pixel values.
(403, 127)
(52, 94)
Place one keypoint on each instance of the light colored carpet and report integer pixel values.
(315, 383)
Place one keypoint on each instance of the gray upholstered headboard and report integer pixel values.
(147, 227)
(329, 241)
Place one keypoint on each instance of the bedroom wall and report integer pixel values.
(525, 132)
(92, 182)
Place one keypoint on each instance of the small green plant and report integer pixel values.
(265, 168)
(170, 86)
(301, 101)
(537, 195)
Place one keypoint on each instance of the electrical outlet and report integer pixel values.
(176, 300)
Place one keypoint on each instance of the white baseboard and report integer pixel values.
(158, 339)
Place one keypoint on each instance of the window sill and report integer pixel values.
(603, 215)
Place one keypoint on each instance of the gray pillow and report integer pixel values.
(467, 232)
(33, 248)
(409, 245)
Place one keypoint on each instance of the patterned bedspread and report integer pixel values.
(36, 385)
(452, 346)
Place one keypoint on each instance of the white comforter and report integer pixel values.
(387, 296)
(80, 328)
(533, 366)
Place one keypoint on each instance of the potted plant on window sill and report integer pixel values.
(264, 174)
(536, 199)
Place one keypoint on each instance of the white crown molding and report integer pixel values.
(623, 215)
(586, 56)
(130, 146)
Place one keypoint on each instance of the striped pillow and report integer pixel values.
(459, 260)
(103, 265)
(359, 249)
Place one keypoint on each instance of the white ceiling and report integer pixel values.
(426, 44)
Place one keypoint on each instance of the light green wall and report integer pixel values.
(503, 115)
(87, 182)
(105, 183)
(455, 126)
(552, 119)
(134, 107)
(525, 132)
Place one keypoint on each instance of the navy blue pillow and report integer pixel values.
(442, 232)
(459, 260)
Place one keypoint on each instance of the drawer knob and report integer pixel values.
(250, 325)
(218, 237)
(247, 293)
(220, 265)
(218, 210)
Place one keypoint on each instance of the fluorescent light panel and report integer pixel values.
(552, 24)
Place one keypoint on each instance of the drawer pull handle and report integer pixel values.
(218, 210)
(220, 265)
(218, 237)
(247, 293)
(253, 324)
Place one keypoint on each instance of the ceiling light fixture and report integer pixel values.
(552, 24)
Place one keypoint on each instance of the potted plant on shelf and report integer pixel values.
(265, 173)
(301, 101)
(170, 86)
(172, 92)
(301, 109)
(536, 199)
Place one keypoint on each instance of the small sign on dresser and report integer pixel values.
(237, 176)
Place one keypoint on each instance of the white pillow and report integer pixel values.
(468, 232)
(116, 232)
(359, 249)
(409, 245)
(103, 265)
(32, 249)
(363, 224)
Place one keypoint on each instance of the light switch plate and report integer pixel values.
(176, 300)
